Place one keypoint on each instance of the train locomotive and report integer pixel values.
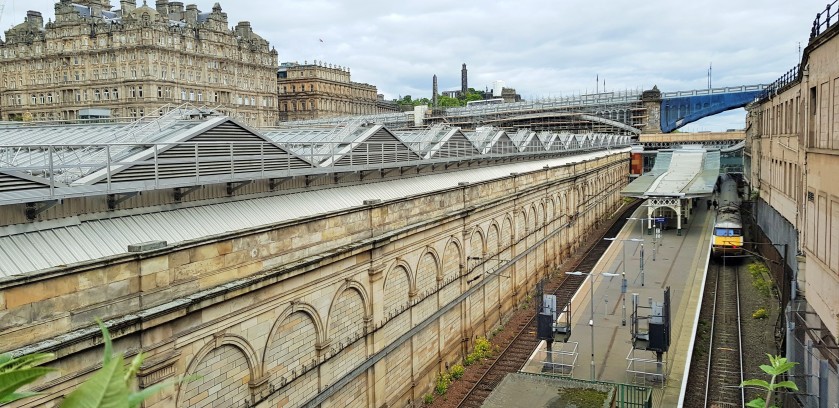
(728, 228)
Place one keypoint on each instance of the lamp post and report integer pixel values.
(623, 269)
(591, 277)
(642, 233)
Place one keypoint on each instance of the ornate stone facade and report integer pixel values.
(131, 62)
(318, 90)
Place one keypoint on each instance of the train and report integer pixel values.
(728, 227)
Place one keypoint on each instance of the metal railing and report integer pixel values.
(781, 84)
(714, 91)
(607, 98)
(825, 19)
(199, 163)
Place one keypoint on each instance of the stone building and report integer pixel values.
(319, 90)
(93, 61)
(792, 155)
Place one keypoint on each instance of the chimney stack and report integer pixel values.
(127, 6)
(162, 7)
(35, 18)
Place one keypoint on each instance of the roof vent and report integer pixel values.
(146, 246)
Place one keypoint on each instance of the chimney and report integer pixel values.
(434, 91)
(176, 7)
(127, 6)
(464, 85)
(191, 14)
(162, 7)
(35, 18)
(243, 29)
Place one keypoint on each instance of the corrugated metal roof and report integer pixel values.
(69, 242)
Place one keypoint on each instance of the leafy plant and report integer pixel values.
(110, 387)
(443, 382)
(427, 399)
(760, 313)
(457, 371)
(15, 372)
(777, 366)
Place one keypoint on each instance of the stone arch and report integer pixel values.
(521, 224)
(477, 248)
(337, 308)
(493, 241)
(531, 218)
(394, 279)
(424, 281)
(289, 346)
(228, 359)
(551, 209)
(506, 232)
(540, 214)
(452, 258)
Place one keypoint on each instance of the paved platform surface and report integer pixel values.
(680, 263)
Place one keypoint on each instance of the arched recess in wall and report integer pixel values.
(347, 325)
(350, 306)
(531, 219)
(292, 344)
(397, 288)
(521, 224)
(476, 246)
(493, 239)
(427, 271)
(228, 362)
(540, 215)
(551, 209)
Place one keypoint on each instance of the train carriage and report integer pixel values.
(728, 228)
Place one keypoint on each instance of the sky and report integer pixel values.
(542, 48)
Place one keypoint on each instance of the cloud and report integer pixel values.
(539, 47)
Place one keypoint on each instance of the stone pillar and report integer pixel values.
(651, 101)
(434, 91)
(464, 83)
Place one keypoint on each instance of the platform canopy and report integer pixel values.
(688, 172)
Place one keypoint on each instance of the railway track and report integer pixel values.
(515, 354)
(724, 371)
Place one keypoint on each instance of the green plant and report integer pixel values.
(15, 372)
(109, 387)
(777, 366)
(427, 399)
(457, 371)
(760, 313)
(443, 382)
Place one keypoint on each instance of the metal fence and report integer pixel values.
(825, 19)
(816, 373)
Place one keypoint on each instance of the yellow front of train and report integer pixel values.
(728, 245)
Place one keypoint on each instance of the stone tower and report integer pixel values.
(464, 83)
(434, 91)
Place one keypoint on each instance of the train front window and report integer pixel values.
(727, 232)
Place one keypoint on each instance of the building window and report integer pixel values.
(96, 95)
(34, 99)
(160, 92)
(115, 93)
(200, 96)
(105, 94)
(49, 98)
(140, 91)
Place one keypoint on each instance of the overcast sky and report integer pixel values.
(540, 48)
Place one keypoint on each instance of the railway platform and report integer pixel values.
(676, 261)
